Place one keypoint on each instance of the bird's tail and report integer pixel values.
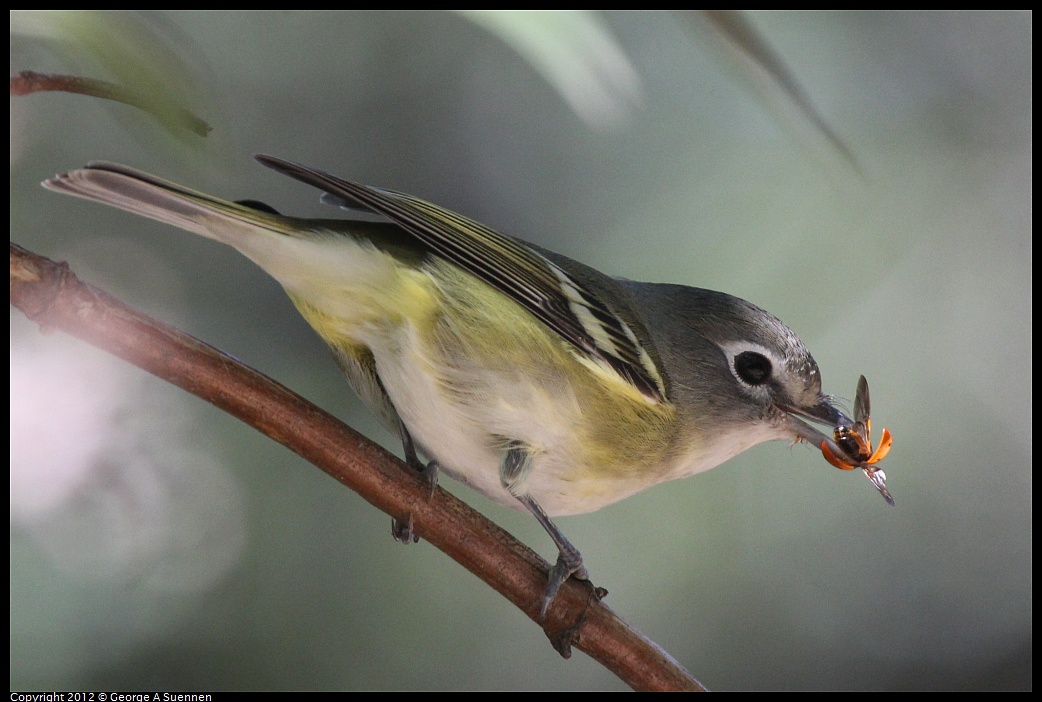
(342, 275)
(146, 195)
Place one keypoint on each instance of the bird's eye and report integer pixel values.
(752, 368)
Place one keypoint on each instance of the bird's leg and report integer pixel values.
(569, 560)
(412, 459)
(513, 472)
(402, 532)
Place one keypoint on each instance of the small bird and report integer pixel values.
(540, 382)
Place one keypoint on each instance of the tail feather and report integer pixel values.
(340, 274)
(146, 195)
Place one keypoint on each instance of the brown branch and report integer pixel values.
(27, 82)
(50, 294)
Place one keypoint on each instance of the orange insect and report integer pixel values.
(856, 442)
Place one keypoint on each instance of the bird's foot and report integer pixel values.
(402, 531)
(431, 472)
(569, 563)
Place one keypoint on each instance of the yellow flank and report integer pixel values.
(363, 310)
(488, 345)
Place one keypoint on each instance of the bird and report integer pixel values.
(542, 383)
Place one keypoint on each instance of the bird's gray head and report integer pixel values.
(731, 364)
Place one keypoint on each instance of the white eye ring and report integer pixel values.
(752, 368)
(747, 375)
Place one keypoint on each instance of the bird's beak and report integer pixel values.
(823, 412)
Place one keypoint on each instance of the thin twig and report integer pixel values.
(27, 82)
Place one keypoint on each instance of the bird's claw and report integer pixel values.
(567, 565)
(431, 471)
(403, 531)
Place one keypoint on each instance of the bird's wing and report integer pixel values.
(569, 308)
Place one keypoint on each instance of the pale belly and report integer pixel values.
(466, 416)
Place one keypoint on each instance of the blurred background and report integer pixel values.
(157, 543)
